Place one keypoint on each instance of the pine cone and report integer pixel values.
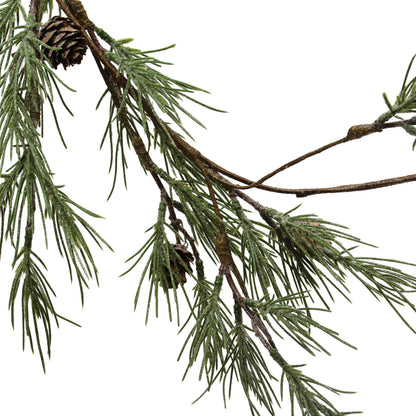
(60, 32)
(178, 266)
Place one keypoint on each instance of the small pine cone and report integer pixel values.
(60, 32)
(178, 266)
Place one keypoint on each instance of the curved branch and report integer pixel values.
(303, 192)
(357, 187)
(355, 132)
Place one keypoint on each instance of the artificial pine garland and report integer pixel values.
(275, 263)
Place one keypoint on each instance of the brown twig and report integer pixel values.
(257, 324)
(357, 187)
(34, 9)
(354, 133)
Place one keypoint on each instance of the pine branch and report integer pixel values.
(27, 193)
(142, 112)
(282, 269)
(209, 336)
(246, 363)
(295, 322)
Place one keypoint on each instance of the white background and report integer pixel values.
(293, 76)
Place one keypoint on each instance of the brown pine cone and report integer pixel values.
(178, 267)
(60, 32)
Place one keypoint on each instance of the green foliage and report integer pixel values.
(312, 250)
(303, 390)
(286, 260)
(209, 336)
(28, 194)
(144, 83)
(159, 268)
(293, 321)
(245, 363)
(405, 102)
(282, 269)
(138, 67)
(9, 18)
(193, 202)
(260, 266)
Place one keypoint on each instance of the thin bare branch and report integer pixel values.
(357, 187)
(355, 132)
